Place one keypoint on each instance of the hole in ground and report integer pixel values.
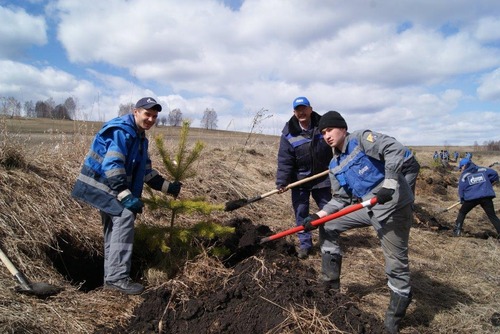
(82, 267)
(77, 264)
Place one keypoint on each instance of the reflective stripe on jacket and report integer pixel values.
(302, 154)
(356, 172)
(359, 169)
(117, 160)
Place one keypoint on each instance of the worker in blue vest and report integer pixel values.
(367, 164)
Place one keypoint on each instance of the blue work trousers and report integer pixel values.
(300, 203)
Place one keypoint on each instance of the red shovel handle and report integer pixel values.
(323, 220)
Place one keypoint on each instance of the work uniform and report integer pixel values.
(357, 172)
(475, 187)
(118, 160)
(303, 153)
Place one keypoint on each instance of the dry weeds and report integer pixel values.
(456, 280)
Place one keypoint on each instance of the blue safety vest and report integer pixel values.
(355, 171)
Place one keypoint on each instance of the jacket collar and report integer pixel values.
(294, 126)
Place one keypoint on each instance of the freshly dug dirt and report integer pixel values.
(268, 290)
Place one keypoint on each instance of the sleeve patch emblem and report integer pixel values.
(371, 137)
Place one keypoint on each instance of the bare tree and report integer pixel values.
(175, 117)
(61, 112)
(3, 106)
(209, 120)
(10, 106)
(125, 109)
(163, 120)
(29, 108)
(43, 109)
(51, 103)
(70, 105)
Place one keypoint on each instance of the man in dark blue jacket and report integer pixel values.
(111, 180)
(475, 187)
(410, 169)
(303, 153)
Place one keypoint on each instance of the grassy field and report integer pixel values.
(455, 280)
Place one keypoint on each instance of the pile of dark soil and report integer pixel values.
(268, 291)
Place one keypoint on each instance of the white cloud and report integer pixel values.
(19, 31)
(20, 80)
(488, 29)
(412, 69)
(490, 86)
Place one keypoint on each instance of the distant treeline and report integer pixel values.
(491, 145)
(10, 106)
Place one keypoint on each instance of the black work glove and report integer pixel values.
(174, 188)
(384, 195)
(307, 222)
(132, 203)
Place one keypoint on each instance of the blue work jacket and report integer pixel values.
(117, 160)
(476, 182)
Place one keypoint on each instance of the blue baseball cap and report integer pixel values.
(301, 101)
(464, 162)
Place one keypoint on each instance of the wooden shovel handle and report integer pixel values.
(297, 183)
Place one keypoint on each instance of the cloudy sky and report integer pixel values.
(424, 71)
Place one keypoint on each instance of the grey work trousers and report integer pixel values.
(393, 233)
(118, 244)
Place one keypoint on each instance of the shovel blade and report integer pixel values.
(236, 204)
(42, 290)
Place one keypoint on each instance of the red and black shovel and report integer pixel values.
(323, 220)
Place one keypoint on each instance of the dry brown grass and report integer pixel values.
(456, 280)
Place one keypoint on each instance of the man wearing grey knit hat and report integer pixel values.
(367, 164)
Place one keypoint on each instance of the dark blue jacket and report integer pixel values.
(476, 182)
(117, 160)
(302, 154)
(410, 163)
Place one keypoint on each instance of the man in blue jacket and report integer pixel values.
(475, 187)
(303, 153)
(112, 178)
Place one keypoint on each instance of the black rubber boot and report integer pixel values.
(331, 265)
(457, 231)
(396, 311)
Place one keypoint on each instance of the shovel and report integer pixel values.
(323, 220)
(236, 204)
(41, 290)
(449, 208)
